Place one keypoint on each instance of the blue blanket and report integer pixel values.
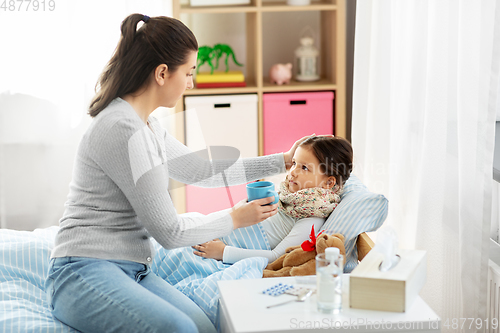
(197, 277)
(24, 261)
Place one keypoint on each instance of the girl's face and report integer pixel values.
(305, 172)
(179, 81)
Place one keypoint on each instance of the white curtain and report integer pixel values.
(426, 76)
(49, 65)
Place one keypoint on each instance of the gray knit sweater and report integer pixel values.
(118, 197)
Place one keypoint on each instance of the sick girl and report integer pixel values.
(311, 191)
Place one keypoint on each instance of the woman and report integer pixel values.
(99, 278)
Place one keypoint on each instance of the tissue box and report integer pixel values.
(394, 290)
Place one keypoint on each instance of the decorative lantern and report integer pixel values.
(306, 56)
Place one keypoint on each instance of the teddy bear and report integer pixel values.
(300, 259)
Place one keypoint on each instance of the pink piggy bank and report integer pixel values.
(280, 73)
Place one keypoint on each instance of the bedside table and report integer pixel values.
(243, 309)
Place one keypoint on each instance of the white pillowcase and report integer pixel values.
(359, 211)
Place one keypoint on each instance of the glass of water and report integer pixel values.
(329, 282)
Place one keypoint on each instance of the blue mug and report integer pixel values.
(259, 190)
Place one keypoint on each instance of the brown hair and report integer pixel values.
(160, 40)
(334, 154)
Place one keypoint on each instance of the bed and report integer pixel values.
(24, 260)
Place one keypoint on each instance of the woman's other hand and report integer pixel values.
(211, 250)
(245, 213)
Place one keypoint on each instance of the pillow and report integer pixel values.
(359, 211)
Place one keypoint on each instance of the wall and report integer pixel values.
(37, 150)
(495, 215)
(46, 83)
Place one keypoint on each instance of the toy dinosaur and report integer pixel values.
(205, 55)
(220, 50)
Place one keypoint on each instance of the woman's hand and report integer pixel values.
(289, 154)
(211, 250)
(245, 213)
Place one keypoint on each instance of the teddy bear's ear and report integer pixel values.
(337, 240)
(321, 243)
(342, 238)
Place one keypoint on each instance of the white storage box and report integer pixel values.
(219, 2)
(220, 120)
(225, 120)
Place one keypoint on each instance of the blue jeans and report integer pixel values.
(94, 295)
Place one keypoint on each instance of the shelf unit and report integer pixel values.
(332, 45)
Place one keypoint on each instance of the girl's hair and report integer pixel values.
(334, 154)
(160, 40)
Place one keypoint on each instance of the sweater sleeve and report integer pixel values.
(299, 233)
(130, 156)
(195, 168)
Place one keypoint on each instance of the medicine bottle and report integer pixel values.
(329, 270)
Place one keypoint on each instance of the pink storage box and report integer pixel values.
(209, 200)
(289, 116)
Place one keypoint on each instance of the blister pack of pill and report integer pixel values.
(277, 289)
(282, 288)
(296, 290)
